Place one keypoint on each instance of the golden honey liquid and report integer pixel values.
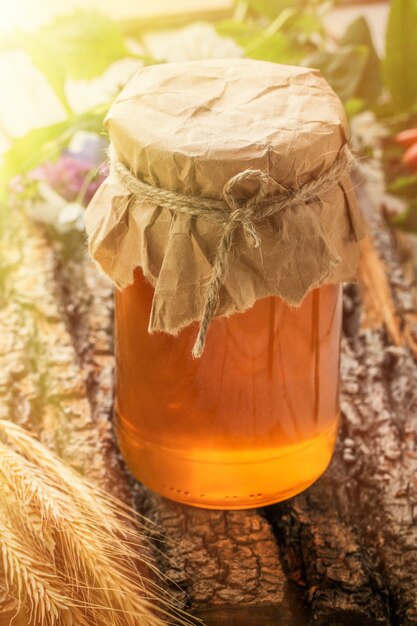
(252, 422)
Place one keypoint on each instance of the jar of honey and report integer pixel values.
(228, 224)
(251, 422)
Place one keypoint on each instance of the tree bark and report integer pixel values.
(341, 553)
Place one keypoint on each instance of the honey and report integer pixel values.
(250, 423)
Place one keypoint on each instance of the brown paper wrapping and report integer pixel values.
(190, 127)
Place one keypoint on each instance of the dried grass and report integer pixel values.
(72, 554)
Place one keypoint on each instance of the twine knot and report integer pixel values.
(233, 212)
(246, 212)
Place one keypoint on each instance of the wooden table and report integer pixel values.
(342, 553)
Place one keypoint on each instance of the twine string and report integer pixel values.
(232, 214)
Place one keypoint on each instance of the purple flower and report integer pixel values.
(71, 177)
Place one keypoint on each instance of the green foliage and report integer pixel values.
(287, 35)
(370, 85)
(353, 68)
(265, 44)
(306, 23)
(404, 186)
(79, 46)
(276, 48)
(353, 106)
(45, 144)
(343, 68)
(47, 63)
(241, 32)
(400, 63)
(82, 44)
(272, 8)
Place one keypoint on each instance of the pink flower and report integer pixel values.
(70, 177)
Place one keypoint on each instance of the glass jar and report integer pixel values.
(250, 423)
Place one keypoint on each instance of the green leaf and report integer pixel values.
(353, 106)
(400, 63)
(272, 8)
(343, 68)
(80, 46)
(38, 145)
(405, 186)
(353, 69)
(241, 32)
(277, 48)
(47, 63)
(370, 85)
(261, 44)
(306, 23)
(45, 144)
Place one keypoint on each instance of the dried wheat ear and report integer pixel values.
(72, 554)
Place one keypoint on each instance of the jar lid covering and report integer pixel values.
(205, 129)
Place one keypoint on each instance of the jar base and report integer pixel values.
(228, 479)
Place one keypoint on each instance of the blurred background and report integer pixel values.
(62, 64)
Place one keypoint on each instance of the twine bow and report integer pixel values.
(233, 214)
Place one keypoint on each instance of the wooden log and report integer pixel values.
(380, 405)
(324, 556)
(343, 552)
(351, 539)
(217, 560)
(42, 384)
(339, 582)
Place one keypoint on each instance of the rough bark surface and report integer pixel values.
(214, 559)
(342, 553)
(43, 386)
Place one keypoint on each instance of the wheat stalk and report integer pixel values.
(36, 583)
(71, 553)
